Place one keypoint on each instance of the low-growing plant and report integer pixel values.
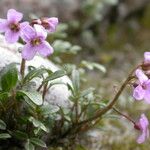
(27, 121)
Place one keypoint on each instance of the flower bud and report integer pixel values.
(137, 126)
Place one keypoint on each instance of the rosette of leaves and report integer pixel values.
(24, 118)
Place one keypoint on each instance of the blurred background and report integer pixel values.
(114, 33)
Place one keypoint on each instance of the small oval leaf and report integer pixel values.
(5, 136)
(49, 109)
(38, 142)
(76, 80)
(29, 146)
(55, 75)
(34, 96)
(2, 125)
(38, 124)
(87, 91)
(20, 135)
(9, 77)
(34, 73)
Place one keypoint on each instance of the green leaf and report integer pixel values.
(37, 131)
(3, 95)
(62, 46)
(68, 68)
(5, 136)
(9, 77)
(87, 91)
(74, 49)
(70, 88)
(93, 65)
(92, 108)
(55, 75)
(76, 80)
(34, 96)
(38, 142)
(34, 73)
(99, 67)
(38, 124)
(20, 135)
(2, 125)
(30, 103)
(49, 109)
(102, 105)
(29, 145)
(111, 2)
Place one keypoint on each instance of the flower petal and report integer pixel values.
(11, 37)
(23, 24)
(147, 92)
(147, 57)
(40, 31)
(53, 22)
(143, 121)
(141, 76)
(13, 15)
(45, 49)
(144, 128)
(28, 52)
(141, 138)
(27, 33)
(3, 25)
(138, 93)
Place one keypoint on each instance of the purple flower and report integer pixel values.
(147, 58)
(142, 125)
(12, 26)
(49, 24)
(35, 42)
(142, 90)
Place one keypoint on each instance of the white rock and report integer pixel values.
(57, 94)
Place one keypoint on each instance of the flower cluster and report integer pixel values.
(33, 34)
(142, 92)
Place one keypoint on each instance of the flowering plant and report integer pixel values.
(27, 120)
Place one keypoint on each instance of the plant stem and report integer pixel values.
(41, 85)
(44, 91)
(76, 109)
(127, 117)
(22, 68)
(99, 113)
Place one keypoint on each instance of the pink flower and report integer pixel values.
(12, 26)
(142, 90)
(147, 58)
(49, 24)
(142, 125)
(35, 39)
(146, 63)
